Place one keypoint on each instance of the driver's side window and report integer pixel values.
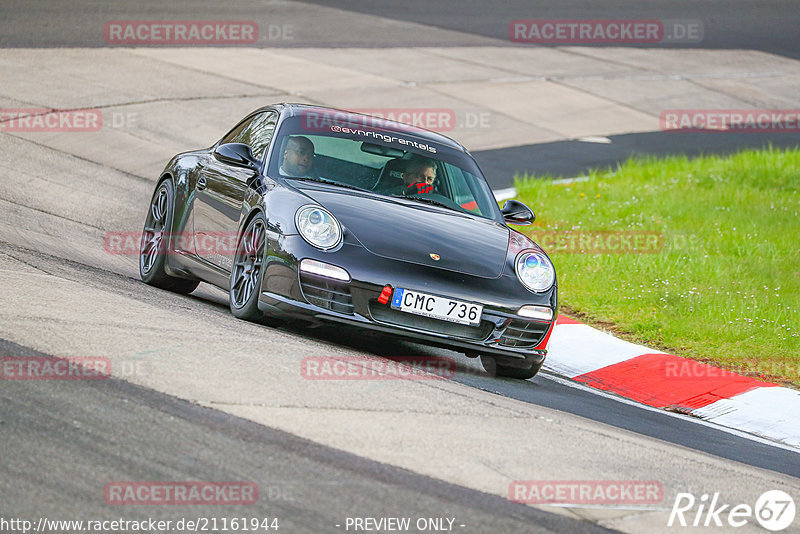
(233, 135)
(256, 132)
(259, 133)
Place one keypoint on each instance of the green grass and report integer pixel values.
(725, 286)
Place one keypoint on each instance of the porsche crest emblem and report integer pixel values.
(434, 257)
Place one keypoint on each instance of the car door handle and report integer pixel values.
(201, 183)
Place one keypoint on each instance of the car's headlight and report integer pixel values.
(318, 227)
(535, 271)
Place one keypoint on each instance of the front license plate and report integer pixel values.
(444, 308)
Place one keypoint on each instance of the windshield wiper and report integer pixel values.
(330, 182)
(427, 201)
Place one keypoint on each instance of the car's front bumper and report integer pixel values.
(288, 293)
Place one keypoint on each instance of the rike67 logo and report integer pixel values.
(774, 510)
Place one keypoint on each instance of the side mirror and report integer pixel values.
(236, 154)
(515, 212)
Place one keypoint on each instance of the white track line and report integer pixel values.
(505, 194)
(510, 192)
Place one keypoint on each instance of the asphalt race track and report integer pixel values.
(197, 395)
(308, 487)
(734, 24)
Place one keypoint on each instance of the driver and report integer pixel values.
(298, 157)
(419, 175)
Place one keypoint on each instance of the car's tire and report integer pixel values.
(153, 248)
(248, 271)
(511, 367)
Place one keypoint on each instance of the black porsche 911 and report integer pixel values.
(303, 212)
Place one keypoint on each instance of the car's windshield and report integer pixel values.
(382, 162)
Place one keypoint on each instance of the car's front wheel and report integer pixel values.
(512, 367)
(154, 246)
(248, 270)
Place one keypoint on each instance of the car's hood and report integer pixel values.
(413, 232)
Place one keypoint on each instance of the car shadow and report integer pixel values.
(450, 364)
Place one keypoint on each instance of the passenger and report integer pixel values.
(419, 175)
(298, 158)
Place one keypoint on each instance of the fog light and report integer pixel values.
(543, 313)
(324, 269)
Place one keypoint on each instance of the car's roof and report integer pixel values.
(352, 117)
